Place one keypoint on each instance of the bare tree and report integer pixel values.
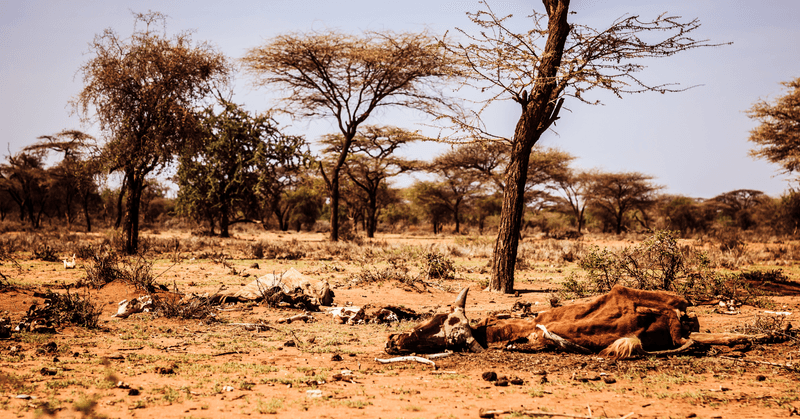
(143, 91)
(330, 74)
(538, 69)
(573, 186)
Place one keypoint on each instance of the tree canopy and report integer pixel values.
(143, 92)
(777, 137)
(348, 78)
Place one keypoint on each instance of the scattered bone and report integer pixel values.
(778, 313)
(69, 264)
(143, 304)
(289, 283)
(419, 359)
(305, 318)
(347, 315)
(441, 355)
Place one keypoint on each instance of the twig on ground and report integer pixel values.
(790, 367)
(490, 413)
(437, 356)
(407, 358)
(253, 326)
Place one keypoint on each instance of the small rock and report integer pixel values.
(290, 343)
(314, 394)
(760, 378)
(227, 388)
(517, 381)
(336, 357)
(24, 397)
(48, 371)
(609, 380)
(133, 392)
(543, 380)
(489, 376)
(254, 266)
(501, 382)
(691, 415)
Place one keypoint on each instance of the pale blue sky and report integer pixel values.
(694, 143)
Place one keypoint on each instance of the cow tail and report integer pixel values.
(623, 348)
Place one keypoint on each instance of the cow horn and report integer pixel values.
(461, 300)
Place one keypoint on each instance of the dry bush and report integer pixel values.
(138, 272)
(102, 268)
(439, 266)
(45, 253)
(67, 308)
(194, 308)
(775, 325)
(660, 263)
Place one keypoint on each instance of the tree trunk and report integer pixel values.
(538, 114)
(334, 190)
(122, 190)
(131, 227)
(372, 215)
(511, 214)
(224, 220)
(85, 205)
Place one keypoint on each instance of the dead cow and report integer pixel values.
(622, 322)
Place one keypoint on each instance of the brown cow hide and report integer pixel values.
(658, 319)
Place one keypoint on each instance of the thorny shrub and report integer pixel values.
(139, 273)
(102, 268)
(775, 325)
(72, 308)
(439, 266)
(45, 253)
(195, 308)
(659, 263)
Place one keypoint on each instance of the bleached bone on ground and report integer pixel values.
(142, 304)
(289, 282)
(419, 359)
(69, 264)
(346, 315)
(305, 317)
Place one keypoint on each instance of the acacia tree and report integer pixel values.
(777, 138)
(348, 78)
(573, 186)
(77, 171)
(538, 69)
(143, 91)
(616, 195)
(740, 205)
(25, 179)
(372, 160)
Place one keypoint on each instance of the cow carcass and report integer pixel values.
(290, 283)
(618, 324)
